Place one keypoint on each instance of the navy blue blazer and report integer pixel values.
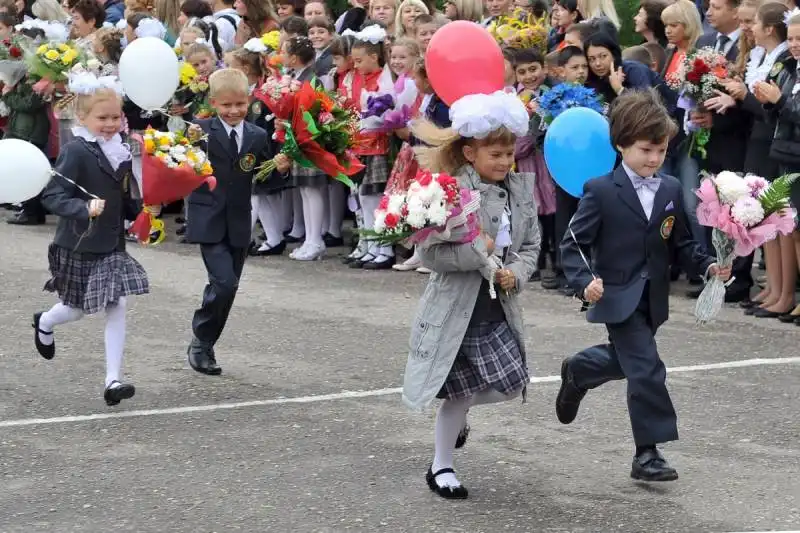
(224, 213)
(625, 249)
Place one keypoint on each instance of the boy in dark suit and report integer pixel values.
(628, 226)
(220, 219)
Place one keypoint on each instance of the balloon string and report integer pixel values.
(84, 191)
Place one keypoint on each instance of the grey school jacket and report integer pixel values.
(446, 305)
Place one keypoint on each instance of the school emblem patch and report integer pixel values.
(666, 227)
(776, 69)
(256, 108)
(247, 162)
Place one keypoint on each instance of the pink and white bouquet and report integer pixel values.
(745, 212)
(390, 107)
(434, 210)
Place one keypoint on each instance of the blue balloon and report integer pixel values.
(577, 148)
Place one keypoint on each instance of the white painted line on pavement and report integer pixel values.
(346, 395)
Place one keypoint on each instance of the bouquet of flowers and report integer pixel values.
(391, 110)
(12, 68)
(566, 96)
(190, 80)
(315, 129)
(520, 30)
(272, 40)
(744, 212)
(433, 210)
(50, 63)
(172, 167)
(695, 80)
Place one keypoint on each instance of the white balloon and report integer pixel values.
(148, 70)
(24, 171)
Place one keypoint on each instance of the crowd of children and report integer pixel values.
(377, 46)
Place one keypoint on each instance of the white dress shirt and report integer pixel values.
(239, 129)
(646, 195)
(733, 37)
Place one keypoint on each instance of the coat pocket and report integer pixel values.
(427, 330)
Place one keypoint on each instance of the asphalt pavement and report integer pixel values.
(305, 430)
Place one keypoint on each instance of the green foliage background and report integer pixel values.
(626, 9)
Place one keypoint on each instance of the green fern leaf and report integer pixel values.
(776, 196)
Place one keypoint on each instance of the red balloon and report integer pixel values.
(463, 58)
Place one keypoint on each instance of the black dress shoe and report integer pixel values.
(278, 249)
(361, 261)
(181, 230)
(788, 318)
(386, 264)
(201, 358)
(694, 292)
(114, 395)
(737, 295)
(569, 395)
(552, 284)
(462, 437)
(24, 219)
(536, 276)
(650, 465)
(331, 241)
(291, 239)
(48, 351)
(764, 313)
(567, 291)
(449, 493)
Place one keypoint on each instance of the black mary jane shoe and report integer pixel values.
(331, 241)
(765, 313)
(361, 261)
(291, 239)
(114, 395)
(650, 465)
(448, 493)
(48, 351)
(788, 318)
(462, 437)
(386, 264)
(278, 249)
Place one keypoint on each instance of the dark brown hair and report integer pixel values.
(196, 8)
(771, 16)
(638, 53)
(639, 115)
(657, 53)
(652, 10)
(90, 10)
(322, 22)
(341, 45)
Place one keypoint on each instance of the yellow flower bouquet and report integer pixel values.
(190, 80)
(520, 30)
(272, 40)
(172, 167)
(51, 63)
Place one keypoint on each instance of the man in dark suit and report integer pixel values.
(616, 254)
(730, 131)
(219, 220)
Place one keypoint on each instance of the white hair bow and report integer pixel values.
(53, 31)
(204, 43)
(372, 34)
(121, 24)
(256, 45)
(789, 15)
(88, 83)
(477, 115)
(151, 27)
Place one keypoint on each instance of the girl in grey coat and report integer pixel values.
(467, 348)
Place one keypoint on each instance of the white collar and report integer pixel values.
(732, 36)
(758, 70)
(82, 132)
(239, 128)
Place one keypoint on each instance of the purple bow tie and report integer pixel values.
(651, 184)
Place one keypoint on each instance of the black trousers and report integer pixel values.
(224, 264)
(632, 354)
(566, 206)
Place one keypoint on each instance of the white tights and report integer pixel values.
(293, 203)
(314, 207)
(336, 200)
(450, 420)
(114, 332)
(369, 203)
(268, 208)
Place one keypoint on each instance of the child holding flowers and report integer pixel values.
(90, 269)
(478, 356)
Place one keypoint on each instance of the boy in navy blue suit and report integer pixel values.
(616, 253)
(219, 220)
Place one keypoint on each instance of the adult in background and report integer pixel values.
(227, 20)
(471, 10)
(647, 21)
(87, 17)
(258, 17)
(115, 10)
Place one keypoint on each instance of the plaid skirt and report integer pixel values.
(375, 175)
(91, 282)
(489, 358)
(306, 177)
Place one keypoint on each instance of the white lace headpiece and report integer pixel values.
(88, 83)
(477, 115)
(256, 45)
(372, 34)
(53, 31)
(151, 27)
(202, 42)
(789, 15)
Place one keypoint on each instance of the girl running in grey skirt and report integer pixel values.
(467, 348)
(90, 269)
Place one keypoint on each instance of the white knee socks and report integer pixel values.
(336, 200)
(298, 223)
(115, 341)
(450, 420)
(313, 211)
(58, 314)
(272, 217)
